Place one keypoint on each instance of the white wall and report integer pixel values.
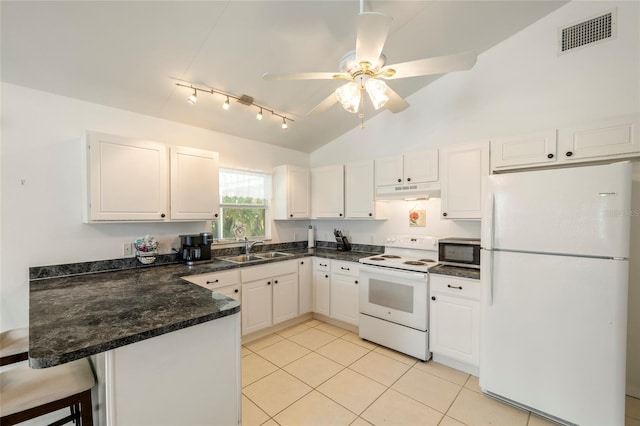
(41, 185)
(519, 86)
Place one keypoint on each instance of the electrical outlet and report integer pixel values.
(127, 249)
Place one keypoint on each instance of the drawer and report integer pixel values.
(269, 270)
(320, 264)
(462, 287)
(232, 291)
(215, 279)
(346, 268)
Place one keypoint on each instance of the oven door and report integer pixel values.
(394, 295)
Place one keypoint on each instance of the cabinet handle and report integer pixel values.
(433, 298)
(162, 215)
(236, 290)
(453, 286)
(340, 215)
(356, 281)
(444, 214)
(302, 263)
(321, 264)
(212, 282)
(290, 215)
(215, 215)
(399, 180)
(370, 214)
(344, 269)
(568, 153)
(408, 179)
(275, 282)
(268, 282)
(549, 155)
(326, 276)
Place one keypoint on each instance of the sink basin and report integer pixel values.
(242, 258)
(272, 255)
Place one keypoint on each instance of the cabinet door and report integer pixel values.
(127, 179)
(421, 166)
(360, 189)
(524, 150)
(463, 168)
(389, 170)
(344, 298)
(305, 286)
(285, 297)
(455, 328)
(298, 195)
(194, 184)
(256, 305)
(321, 292)
(611, 138)
(327, 191)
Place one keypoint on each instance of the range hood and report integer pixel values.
(413, 191)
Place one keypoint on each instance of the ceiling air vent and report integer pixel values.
(595, 30)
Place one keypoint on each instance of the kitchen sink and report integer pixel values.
(272, 255)
(242, 258)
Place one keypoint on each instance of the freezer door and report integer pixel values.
(582, 210)
(554, 335)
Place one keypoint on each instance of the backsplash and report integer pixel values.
(70, 269)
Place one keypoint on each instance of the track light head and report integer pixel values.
(193, 98)
(259, 115)
(225, 105)
(284, 124)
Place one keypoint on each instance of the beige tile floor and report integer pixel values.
(318, 374)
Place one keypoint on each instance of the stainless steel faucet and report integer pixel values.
(248, 245)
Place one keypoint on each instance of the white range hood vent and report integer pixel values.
(408, 191)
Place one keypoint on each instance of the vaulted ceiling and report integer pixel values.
(131, 54)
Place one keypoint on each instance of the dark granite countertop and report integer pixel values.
(72, 317)
(455, 271)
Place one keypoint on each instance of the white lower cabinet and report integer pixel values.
(454, 317)
(321, 286)
(269, 294)
(225, 282)
(344, 291)
(173, 379)
(305, 285)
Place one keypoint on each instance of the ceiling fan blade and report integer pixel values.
(373, 28)
(324, 105)
(395, 103)
(430, 66)
(306, 76)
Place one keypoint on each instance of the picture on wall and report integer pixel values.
(417, 218)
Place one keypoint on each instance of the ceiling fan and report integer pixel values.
(365, 69)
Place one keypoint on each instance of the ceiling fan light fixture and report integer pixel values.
(349, 96)
(377, 92)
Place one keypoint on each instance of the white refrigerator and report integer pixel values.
(554, 272)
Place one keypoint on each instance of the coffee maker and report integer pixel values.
(196, 247)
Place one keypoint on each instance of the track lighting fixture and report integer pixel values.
(193, 98)
(244, 100)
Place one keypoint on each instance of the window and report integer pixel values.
(244, 205)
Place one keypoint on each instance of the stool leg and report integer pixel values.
(86, 409)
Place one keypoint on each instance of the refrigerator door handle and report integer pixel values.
(487, 276)
(488, 222)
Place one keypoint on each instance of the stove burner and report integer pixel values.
(390, 256)
(413, 262)
(377, 258)
(427, 260)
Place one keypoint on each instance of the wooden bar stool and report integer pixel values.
(26, 393)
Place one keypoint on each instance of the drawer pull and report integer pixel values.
(212, 282)
(356, 281)
(344, 269)
(433, 298)
(236, 290)
(323, 264)
(453, 286)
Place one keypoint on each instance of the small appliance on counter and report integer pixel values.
(461, 252)
(342, 241)
(196, 247)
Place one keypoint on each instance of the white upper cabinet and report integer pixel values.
(614, 138)
(327, 192)
(462, 170)
(291, 192)
(359, 188)
(412, 167)
(194, 184)
(530, 149)
(126, 179)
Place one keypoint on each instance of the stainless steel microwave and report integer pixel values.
(464, 252)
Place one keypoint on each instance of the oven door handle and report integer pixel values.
(389, 272)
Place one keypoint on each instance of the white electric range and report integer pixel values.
(394, 294)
